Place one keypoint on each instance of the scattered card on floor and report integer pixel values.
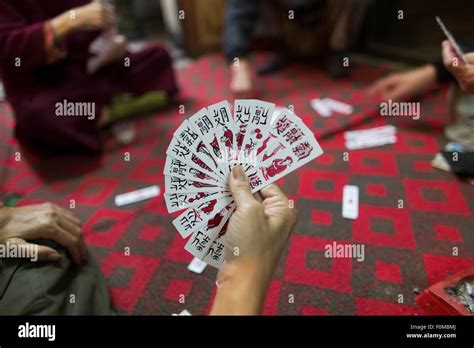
(268, 142)
(372, 137)
(137, 196)
(197, 266)
(350, 202)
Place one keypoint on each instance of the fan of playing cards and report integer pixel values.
(205, 148)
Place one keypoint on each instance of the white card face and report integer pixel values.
(300, 147)
(179, 201)
(137, 196)
(272, 141)
(174, 167)
(225, 132)
(256, 130)
(242, 113)
(202, 239)
(197, 266)
(350, 202)
(207, 128)
(276, 113)
(179, 185)
(192, 218)
(191, 139)
(178, 150)
(216, 253)
(269, 142)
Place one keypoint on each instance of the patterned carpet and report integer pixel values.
(406, 249)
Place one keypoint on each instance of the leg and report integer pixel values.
(239, 24)
(41, 288)
(39, 126)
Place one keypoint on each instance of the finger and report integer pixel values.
(397, 94)
(273, 190)
(381, 85)
(68, 215)
(450, 56)
(76, 232)
(36, 252)
(271, 201)
(240, 188)
(67, 240)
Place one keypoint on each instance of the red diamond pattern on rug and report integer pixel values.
(405, 247)
(388, 272)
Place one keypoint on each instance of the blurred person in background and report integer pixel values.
(309, 26)
(402, 86)
(45, 65)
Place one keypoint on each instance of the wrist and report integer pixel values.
(62, 25)
(242, 286)
(429, 74)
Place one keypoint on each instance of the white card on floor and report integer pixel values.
(339, 106)
(137, 196)
(197, 266)
(184, 312)
(321, 107)
(364, 143)
(350, 202)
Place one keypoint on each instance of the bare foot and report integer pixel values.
(241, 83)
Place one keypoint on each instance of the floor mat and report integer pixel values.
(415, 222)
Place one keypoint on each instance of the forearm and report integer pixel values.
(56, 31)
(5, 217)
(242, 288)
(62, 26)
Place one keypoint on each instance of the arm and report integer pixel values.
(256, 237)
(42, 221)
(405, 85)
(464, 73)
(19, 38)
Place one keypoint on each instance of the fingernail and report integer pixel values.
(54, 257)
(239, 174)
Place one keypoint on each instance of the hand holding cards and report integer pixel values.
(206, 147)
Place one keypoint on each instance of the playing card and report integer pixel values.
(225, 132)
(295, 147)
(176, 168)
(215, 254)
(268, 142)
(256, 130)
(192, 218)
(242, 113)
(377, 132)
(452, 40)
(179, 185)
(202, 239)
(179, 201)
(207, 129)
(190, 138)
(178, 150)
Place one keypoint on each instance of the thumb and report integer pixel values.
(35, 252)
(240, 188)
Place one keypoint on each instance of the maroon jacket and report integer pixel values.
(34, 87)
